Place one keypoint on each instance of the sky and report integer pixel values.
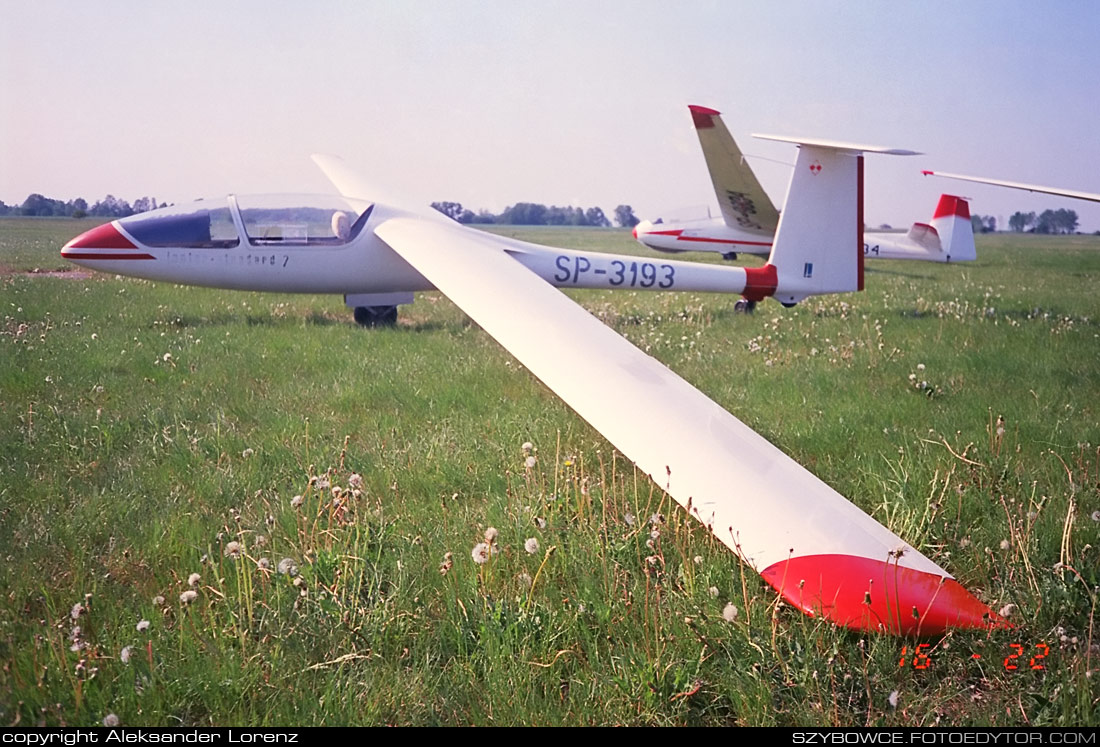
(567, 103)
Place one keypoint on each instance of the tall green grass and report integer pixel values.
(148, 426)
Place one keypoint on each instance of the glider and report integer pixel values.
(749, 219)
(1090, 196)
(821, 552)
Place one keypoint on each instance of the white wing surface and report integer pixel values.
(823, 553)
(1090, 196)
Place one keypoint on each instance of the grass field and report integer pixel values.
(154, 432)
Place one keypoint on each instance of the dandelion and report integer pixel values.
(964, 542)
(491, 535)
(524, 580)
(920, 366)
(158, 601)
(655, 535)
(264, 564)
(1005, 544)
(1095, 516)
(193, 579)
(713, 591)
(124, 655)
(480, 553)
(167, 357)
(76, 611)
(355, 481)
(287, 567)
(698, 560)
(530, 461)
(1007, 610)
(296, 501)
(447, 563)
(110, 720)
(232, 550)
(188, 596)
(893, 699)
(143, 625)
(729, 612)
(540, 523)
(531, 545)
(657, 519)
(260, 540)
(527, 446)
(247, 453)
(629, 519)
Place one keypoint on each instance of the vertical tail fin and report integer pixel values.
(818, 245)
(952, 223)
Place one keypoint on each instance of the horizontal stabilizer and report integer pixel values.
(839, 146)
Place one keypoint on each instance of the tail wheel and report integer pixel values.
(745, 306)
(729, 255)
(376, 316)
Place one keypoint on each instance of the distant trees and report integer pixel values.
(1020, 222)
(624, 216)
(109, 207)
(1056, 221)
(983, 223)
(527, 214)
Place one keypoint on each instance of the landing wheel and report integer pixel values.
(745, 306)
(376, 316)
(729, 255)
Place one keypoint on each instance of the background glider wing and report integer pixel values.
(825, 555)
(743, 202)
(1090, 196)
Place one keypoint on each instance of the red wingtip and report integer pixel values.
(928, 173)
(702, 116)
(106, 236)
(877, 596)
(950, 205)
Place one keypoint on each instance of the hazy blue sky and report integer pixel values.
(581, 103)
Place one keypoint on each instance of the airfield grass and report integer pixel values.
(147, 426)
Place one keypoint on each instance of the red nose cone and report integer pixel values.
(100, 237)
(872, 595)
(634, 232)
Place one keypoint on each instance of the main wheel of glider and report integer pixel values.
(729, 255)
(376, 316)
(745, 306)
(790, 305)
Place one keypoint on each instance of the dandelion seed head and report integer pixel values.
(530, 461)
(158, 601)
(491, 535)
(124, 655)
(193, 579)
(524, 580)
(232, 550)
(1095, 516)
(1007, 610)
(713, 591)
(629, 519)
(247, 453)
(893, 699)
(287, 567)
(657, 519)
(920, 366)
(296, 501)
(540, 523)
(531, 545)
(76, 611)
(264, 564)
(143, 625)
(729, 612)
(527, 446)
(698, 560)
(111, 719)
(480, 553)
(355, 481)
(188, 596)
(1005, 544)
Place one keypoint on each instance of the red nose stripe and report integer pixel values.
(101, 237)
(872, 595)
(66, 254)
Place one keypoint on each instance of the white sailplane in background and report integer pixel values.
(749, 220)
(820, 551)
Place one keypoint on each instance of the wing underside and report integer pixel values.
(823, 553)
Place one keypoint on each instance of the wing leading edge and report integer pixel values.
(825, 555)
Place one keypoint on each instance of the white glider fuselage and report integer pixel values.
(361, 264)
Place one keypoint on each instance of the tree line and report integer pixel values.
(109, 207)
(535, 214)
(1048, 221)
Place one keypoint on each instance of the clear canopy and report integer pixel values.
(282, 220)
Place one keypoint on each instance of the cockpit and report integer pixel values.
(260, 220)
